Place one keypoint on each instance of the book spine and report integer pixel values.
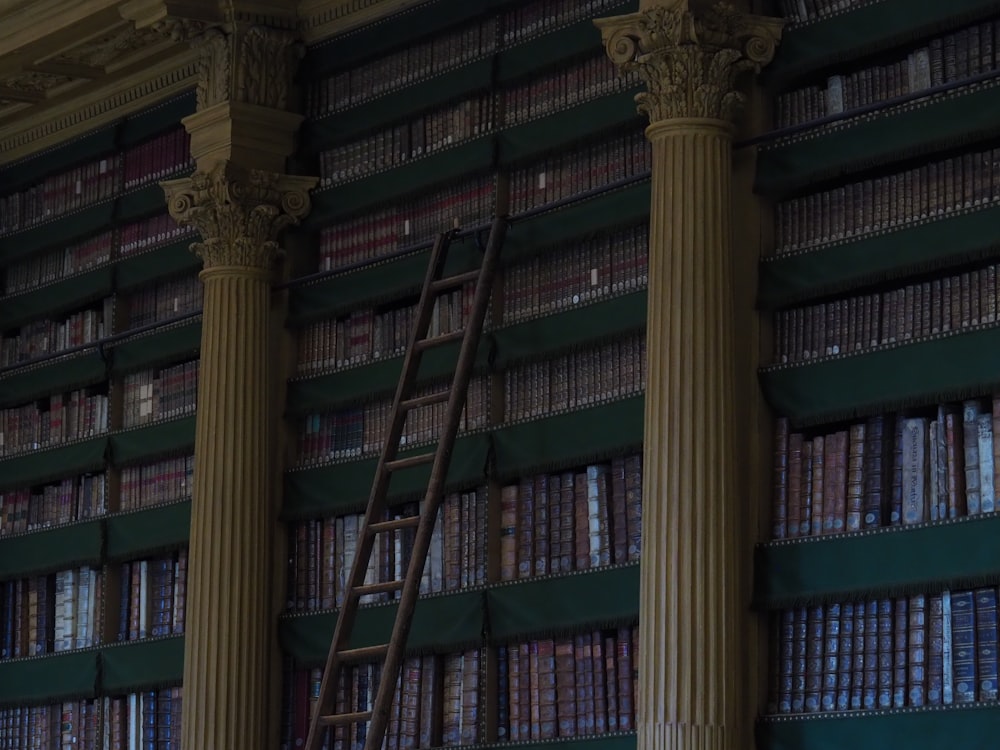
(963, 640)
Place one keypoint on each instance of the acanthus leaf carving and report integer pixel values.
(238, 212)
(690, 58)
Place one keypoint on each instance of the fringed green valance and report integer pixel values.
(552, 607)
(141, 202)
(137, 128)
(344, 487)
(148, 531)
(48, 679)
(869, 28)
(51, 299)
(162, 438)
(440, 624)
(913, 729)
(32, 169)
(569, 439)
(888, 563)
(35, 467)
(50, 550)
(54, 376)
(959, 366)
(168, 260)
(836, 268)
(142, 665)
(960, 116)
(57, 232)
(165, 345)
(622, 741)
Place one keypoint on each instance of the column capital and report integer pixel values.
(239, 212)
(689, 53)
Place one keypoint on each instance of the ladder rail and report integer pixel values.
(432, 499)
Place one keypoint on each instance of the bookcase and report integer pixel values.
(878, 578)
(100, 337)
(444, 114)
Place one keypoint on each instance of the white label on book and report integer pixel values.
(593, 277)
(79, 187)
(541, 180)
(103, 167)
(406, 226)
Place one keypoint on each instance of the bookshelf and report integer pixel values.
(883, 176)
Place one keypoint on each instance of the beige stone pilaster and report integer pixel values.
(689, 55)
(228, 646)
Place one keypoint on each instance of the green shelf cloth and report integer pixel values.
(962, 116)
(959, 366)
(913, 729)
(149, 531)
(568, 439)
(51, 299)
(175, 343)
(50, 550)
(946, 241)
(552, 607)
(142, 665)
(867, 29)
(440, 624)
(143, 201)
(48, 679)
(56, 233)
(32, 169)
(168, 260)
(54, 376)
(890, 563)
(157, 118)
(162, 438)
(62, 461)
(624, 741)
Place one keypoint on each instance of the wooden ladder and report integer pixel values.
(324, 715)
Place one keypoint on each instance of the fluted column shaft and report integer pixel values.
(689, 679)
(227, 650)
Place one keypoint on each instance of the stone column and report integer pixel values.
(689, 54)
(229, 611)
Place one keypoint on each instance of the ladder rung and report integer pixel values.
(444, 338)
(396, 523)
(405, 463)
(365, 653)
(443, 285)
(335, 720)
(430, 398)
(377, 588)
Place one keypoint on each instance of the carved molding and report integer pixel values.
(690, 55)
(238, 212)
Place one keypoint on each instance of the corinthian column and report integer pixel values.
(229, 619)
(689, 55)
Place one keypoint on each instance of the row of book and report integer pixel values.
(61, 418)
(907, 651)
(159, 157)
(142, 721)
(49, 613)
(576, 380)
(911, 313)
(41, 337)
(73, 499)
(445, 51)
(370, 335)
(943, 60)
(587, 270)
(575, 686)
(360, 430)
(52, 265)
(163, 300)
(419, 218)
(581, 169)
(73, 724)
(933, 189)
(322, 551)
(590, 79)
(152, 602)
(799, 11)
(574, 520)
(44, 268)
(145, 485)
(887, 471)
(426, 134)
(161, 393)
(435, 703)
(95, 181)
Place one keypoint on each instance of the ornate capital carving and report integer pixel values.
(238, 212)
(689, 54)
